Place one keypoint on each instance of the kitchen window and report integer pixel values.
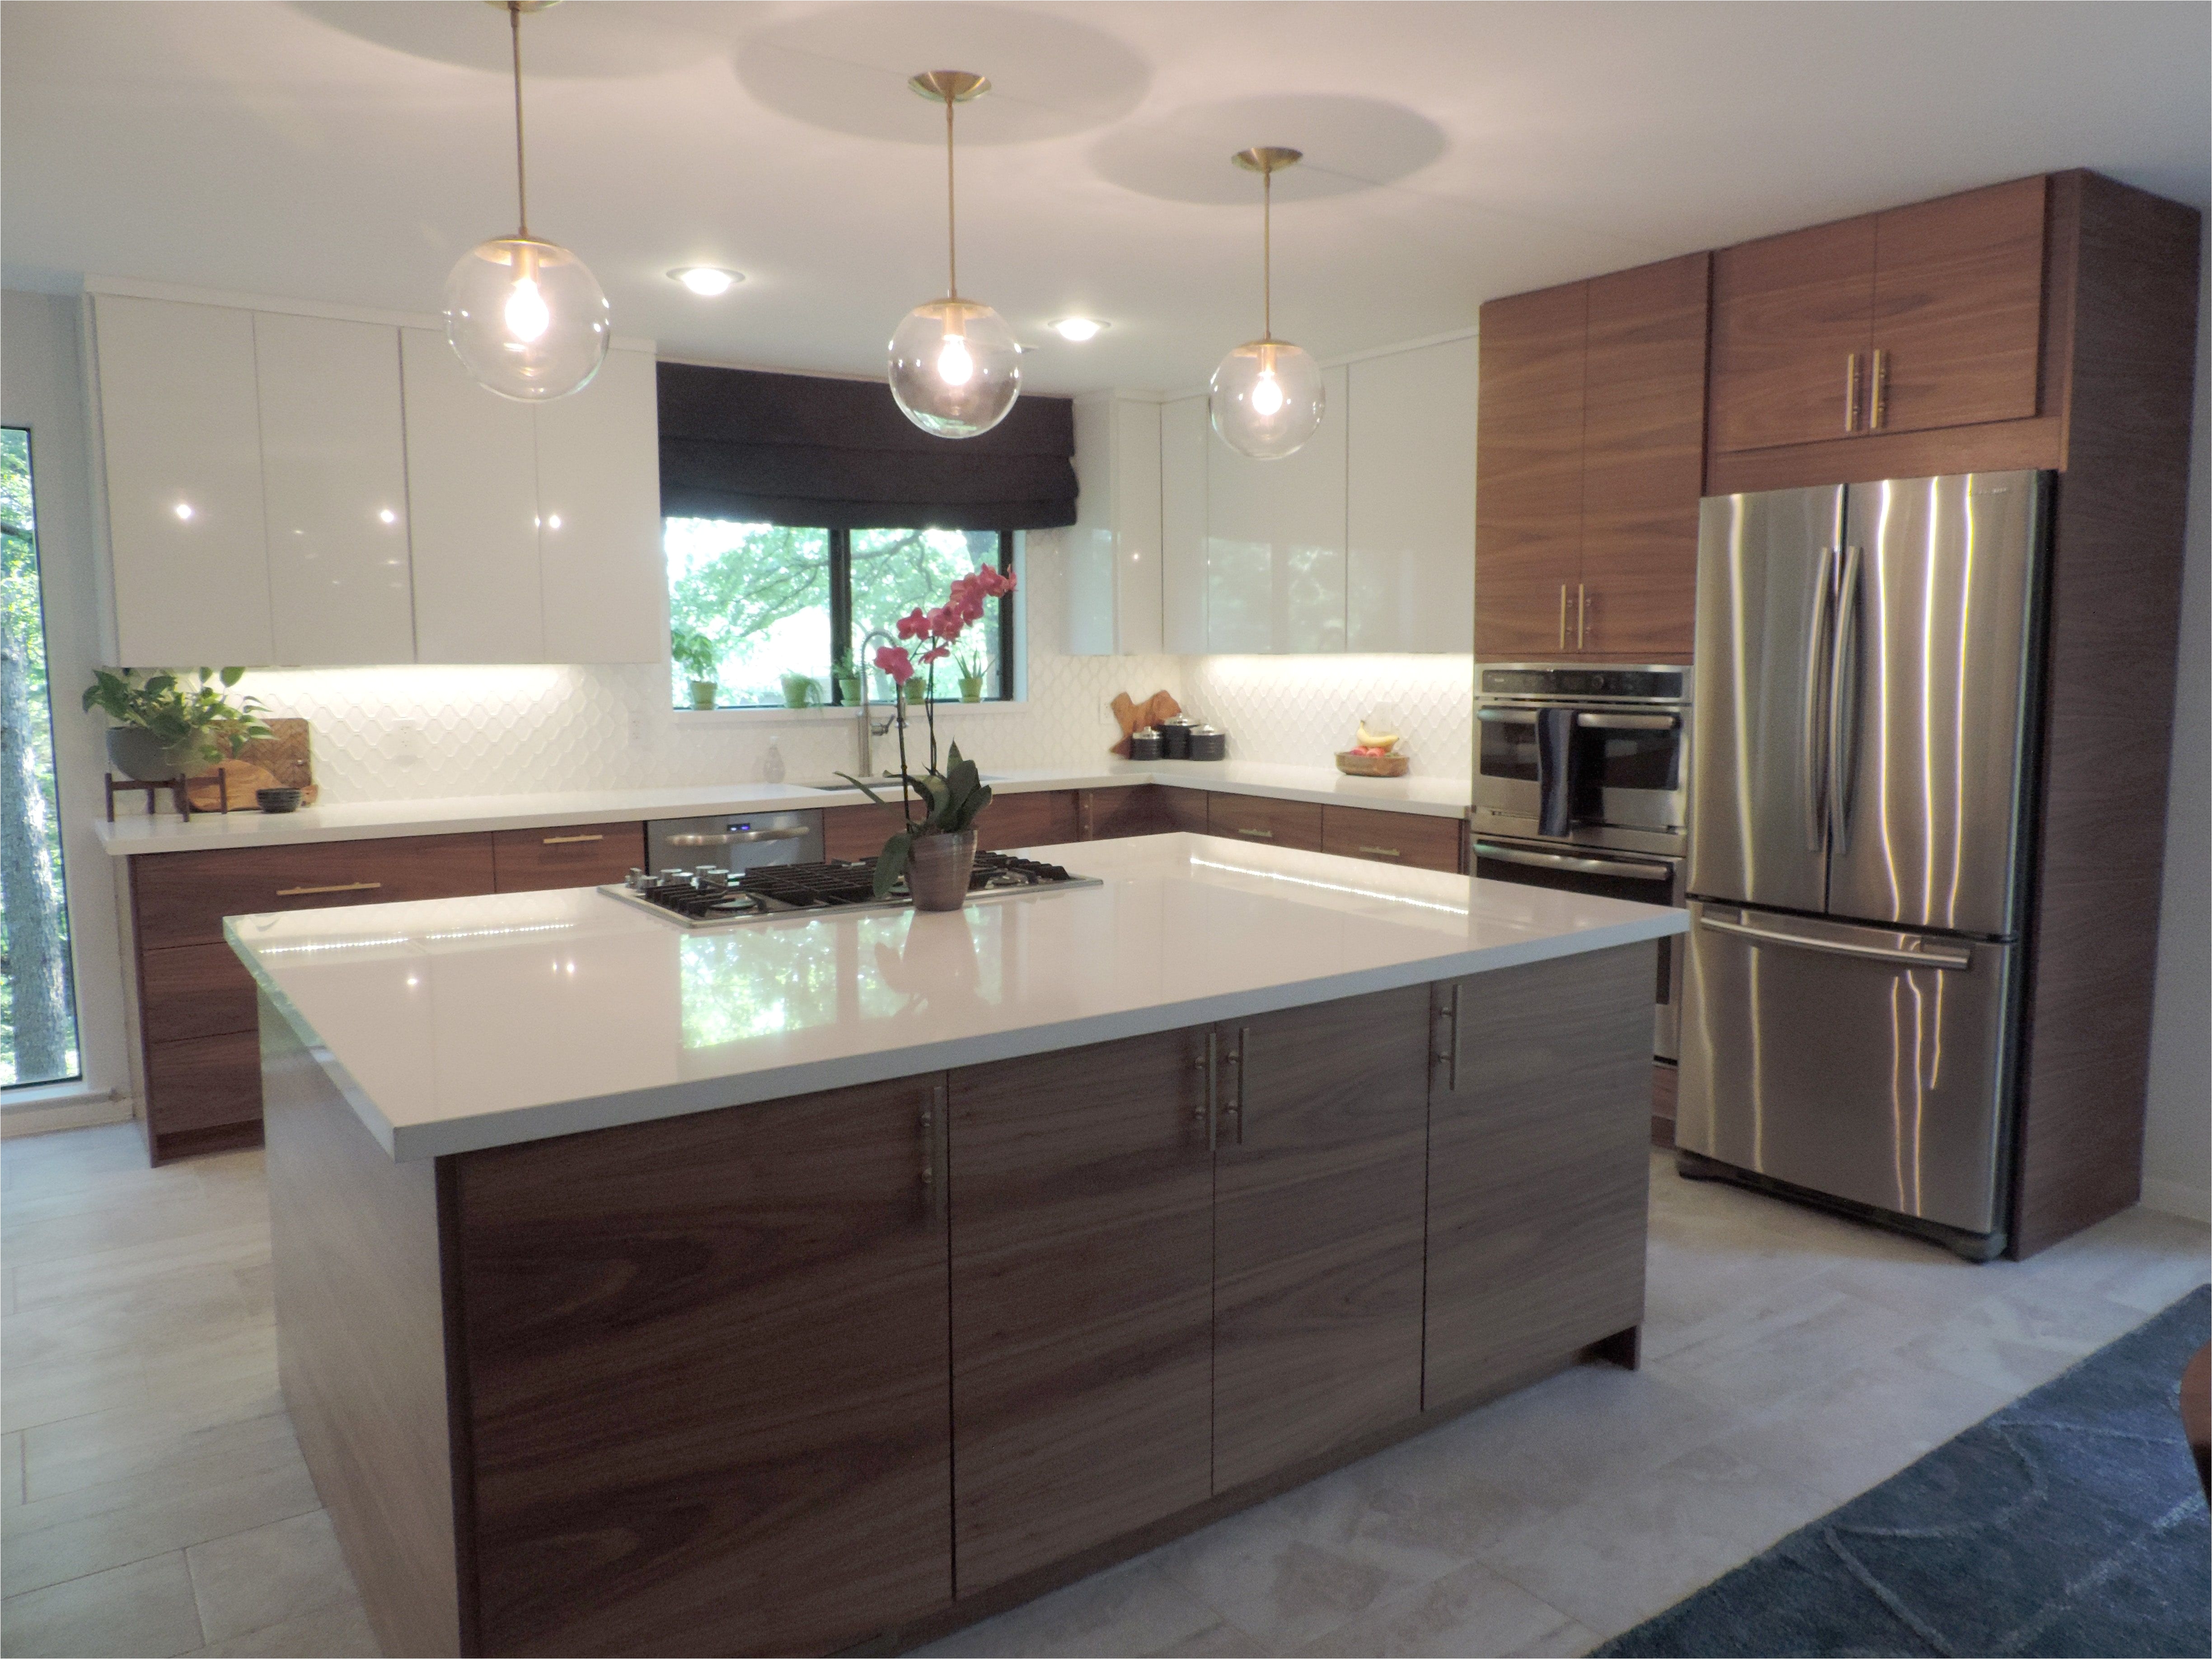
(765, 616)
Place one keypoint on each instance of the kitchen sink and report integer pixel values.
(885, 782)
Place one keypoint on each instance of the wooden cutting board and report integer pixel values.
(281, 760)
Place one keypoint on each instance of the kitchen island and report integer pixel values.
(830, 1280)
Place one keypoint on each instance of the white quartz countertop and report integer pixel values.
(135, 832)
(456, 1025)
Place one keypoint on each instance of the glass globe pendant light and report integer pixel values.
(1267, 395)
(955, 366)
(525, 316)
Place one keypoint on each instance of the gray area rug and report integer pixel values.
(2071, 1522)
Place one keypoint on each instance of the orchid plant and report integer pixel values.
(949, 798)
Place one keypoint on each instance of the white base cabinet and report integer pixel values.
(317, 491)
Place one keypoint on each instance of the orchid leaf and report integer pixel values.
(890, 863)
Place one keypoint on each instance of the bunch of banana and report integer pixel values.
(1375, 743)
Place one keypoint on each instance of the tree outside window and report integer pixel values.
(775, 611)
(38, 1016)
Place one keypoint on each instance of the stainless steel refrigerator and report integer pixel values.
(1866, 705)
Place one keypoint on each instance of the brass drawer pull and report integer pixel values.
(1878, 392)
(1383, 852)
(335, 887)
(564, 841)
(1851, 393)
(1247, 829)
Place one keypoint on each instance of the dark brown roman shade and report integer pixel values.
(797, 449)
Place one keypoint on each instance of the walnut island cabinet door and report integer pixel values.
(1318, 1180)
(1539, 1166)
(1082, 1299)
(707, 1371)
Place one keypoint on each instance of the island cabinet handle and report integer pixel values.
(334, 887)
(1237, 1059)
(564, 841)
(1451, 1056)
(1383, 852)
(1210, 1063)
(1248, 830)
(932, 1155)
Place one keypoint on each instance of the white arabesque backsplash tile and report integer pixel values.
(412, 732)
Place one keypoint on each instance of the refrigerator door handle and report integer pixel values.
(1812, 760)
(1843, 704)
(1922, 958)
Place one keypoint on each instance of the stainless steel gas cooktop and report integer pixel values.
(714, 896)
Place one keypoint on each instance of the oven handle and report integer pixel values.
(734, 837)
(1515, 715)
(1491, 849)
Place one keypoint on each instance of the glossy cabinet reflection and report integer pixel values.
(1410, 499)
(1275, 559)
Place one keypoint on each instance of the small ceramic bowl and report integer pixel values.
(277, 800)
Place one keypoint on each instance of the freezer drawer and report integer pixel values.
(1866, 1064)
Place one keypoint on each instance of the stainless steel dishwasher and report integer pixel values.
(736, 840)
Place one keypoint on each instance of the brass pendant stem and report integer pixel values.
(521, 176)
(1267, 255)
(951, 223)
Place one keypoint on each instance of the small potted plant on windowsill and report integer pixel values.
(695, 654)
(166, 729)
(846, 677)
(971, 678)
(935, 852)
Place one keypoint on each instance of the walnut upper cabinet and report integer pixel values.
(1910, 320)
(1588, 463)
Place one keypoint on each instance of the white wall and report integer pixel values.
(41, 387)
(2177, 1136)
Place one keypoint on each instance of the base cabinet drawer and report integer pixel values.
(1144, 809)
(566, 855)
(1408, 838)
(859, 832)
(1271, 822)
(182, 899)
(201, 1084)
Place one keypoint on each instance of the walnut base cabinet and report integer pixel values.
(857, 1368)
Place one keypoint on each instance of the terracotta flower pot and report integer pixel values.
(938, 869)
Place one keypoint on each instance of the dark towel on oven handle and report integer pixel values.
(1555, 770)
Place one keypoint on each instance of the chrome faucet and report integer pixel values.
(868, 729)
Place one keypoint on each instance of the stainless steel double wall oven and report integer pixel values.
(1582, 777)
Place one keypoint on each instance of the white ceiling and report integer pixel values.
(349, 152)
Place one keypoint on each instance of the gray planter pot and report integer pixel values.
(138, 753)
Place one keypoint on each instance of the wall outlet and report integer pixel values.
(404, 746)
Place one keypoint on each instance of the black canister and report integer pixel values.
(1144, 745)
(1174, 737)
(1208, 743)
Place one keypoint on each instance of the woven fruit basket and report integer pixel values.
(1372, 766)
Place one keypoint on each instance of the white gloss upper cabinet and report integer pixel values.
(1275, 536)
(182, 430)
(334, 491)
(1186, 434)
(1112, 552)
(472, 491)
(1410, 499)
(604, 577)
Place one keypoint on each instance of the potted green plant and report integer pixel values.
(935, 851)
(971, 678)
(695, 654)
(801, 691)
(845, 677)
(166, 728)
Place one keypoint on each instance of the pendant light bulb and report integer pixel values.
(956, 368)
(525, 317)
(1266, 397)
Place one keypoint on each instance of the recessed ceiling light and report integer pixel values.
(1078, 328)
(708, 280)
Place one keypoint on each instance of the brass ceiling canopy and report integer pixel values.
(1268, 158)
(950, 86)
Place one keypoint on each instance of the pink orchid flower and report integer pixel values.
(895, 662)
(913, 625)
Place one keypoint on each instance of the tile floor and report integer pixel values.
(157, 1503)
